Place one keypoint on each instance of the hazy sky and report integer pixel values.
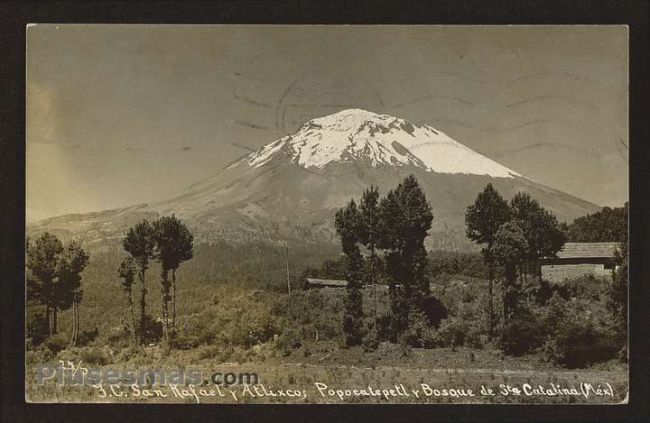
(124, 114)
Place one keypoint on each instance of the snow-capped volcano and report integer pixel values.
(292, 187)
(362, 136)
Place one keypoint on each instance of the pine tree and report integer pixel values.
(347, 221)
(173, 242)
(369, 234)
(405, 221)
(42, 259)
(543, 233)
(126, 272)
(483, 219)
(139, 243)
(54, 280)
(509, 249)
(71, 263)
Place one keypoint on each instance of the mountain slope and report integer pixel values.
(291, 188)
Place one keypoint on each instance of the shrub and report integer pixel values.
(384, 332)
(95, 356)
(151, 330)
(87, 336)
(404, 349)
(38, 356)
(419, 332)
(537, 291)
(451, 332)
(57, 343)
(119, 337)
(434, 310)
(466, 323)
(322, 309)
(208, 352)
(475, 337)
(523, 333)
(578, 344)
(249, 333)
(194, 331)
(245, 325)
(185, 341)
(36, 328)
(556, 311)
(370, 341)
(289, 340)
(588, 288)
(127, 354)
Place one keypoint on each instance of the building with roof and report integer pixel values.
(580, 259)
(311, 283)
(325, 283)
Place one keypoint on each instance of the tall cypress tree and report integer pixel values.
(348, 221)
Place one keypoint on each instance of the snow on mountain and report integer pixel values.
(359, 135)
(292, 187)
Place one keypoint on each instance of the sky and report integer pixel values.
(126, 114)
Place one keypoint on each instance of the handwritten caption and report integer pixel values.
(322, 390)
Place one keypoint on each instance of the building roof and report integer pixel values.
(327, 282)
(588, 250)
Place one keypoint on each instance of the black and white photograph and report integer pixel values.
(326, 214)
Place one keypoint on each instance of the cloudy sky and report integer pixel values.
(123, 114)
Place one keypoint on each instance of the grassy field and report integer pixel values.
(338, 370)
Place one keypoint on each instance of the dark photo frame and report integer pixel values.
(14, 17)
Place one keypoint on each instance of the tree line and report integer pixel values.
(395, 226)
(53, 276)
(53, 279)
(606, 225)
(515, 235)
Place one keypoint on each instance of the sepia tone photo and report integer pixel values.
(326, 214)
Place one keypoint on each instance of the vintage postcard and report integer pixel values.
(327, 214)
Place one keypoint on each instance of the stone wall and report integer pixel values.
(562, 272)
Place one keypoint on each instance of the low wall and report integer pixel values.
(562, 272)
